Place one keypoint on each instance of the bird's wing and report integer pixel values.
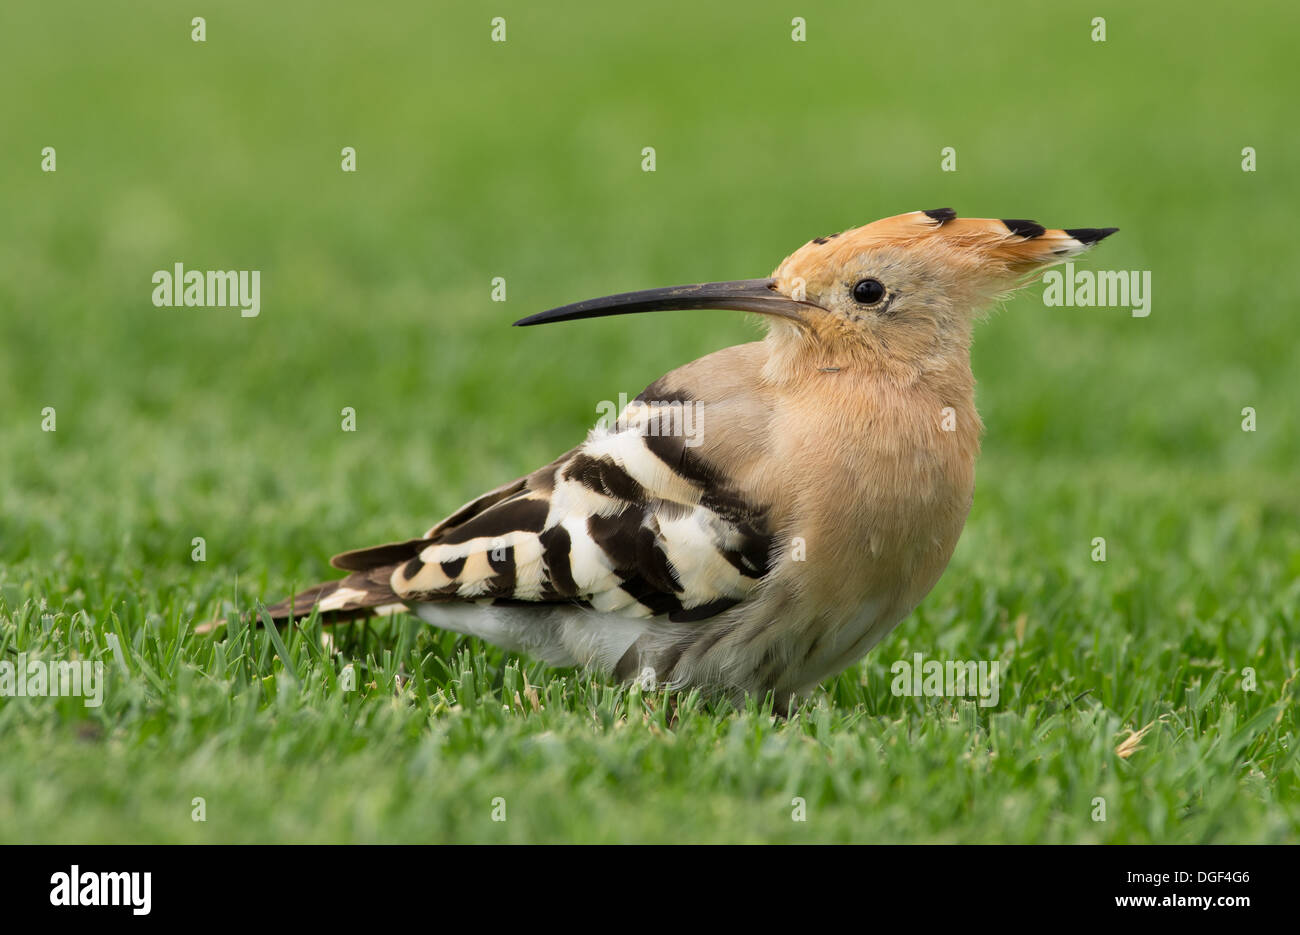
(625, 524)
(636, 522)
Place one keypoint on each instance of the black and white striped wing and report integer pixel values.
(630, 523)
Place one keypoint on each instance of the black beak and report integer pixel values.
(745, 295)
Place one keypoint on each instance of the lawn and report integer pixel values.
(1158, 686)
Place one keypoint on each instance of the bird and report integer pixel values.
(755, 521)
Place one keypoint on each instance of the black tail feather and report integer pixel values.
(371, 592)
(362, 593)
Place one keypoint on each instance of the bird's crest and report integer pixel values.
(1007, 245)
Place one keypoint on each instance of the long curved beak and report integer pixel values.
(745, 295)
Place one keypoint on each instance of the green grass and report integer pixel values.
(522, 160)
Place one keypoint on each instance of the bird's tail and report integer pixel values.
(361, 594)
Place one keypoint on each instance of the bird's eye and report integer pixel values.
(868, 291)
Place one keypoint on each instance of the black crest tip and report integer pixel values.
(942, 215)
(1026, 229)
(1090, 235)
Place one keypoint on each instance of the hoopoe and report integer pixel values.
(816, 499)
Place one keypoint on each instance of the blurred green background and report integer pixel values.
(523, 160)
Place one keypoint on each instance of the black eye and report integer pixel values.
(868, 291)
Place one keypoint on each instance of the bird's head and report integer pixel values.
(903, 288)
